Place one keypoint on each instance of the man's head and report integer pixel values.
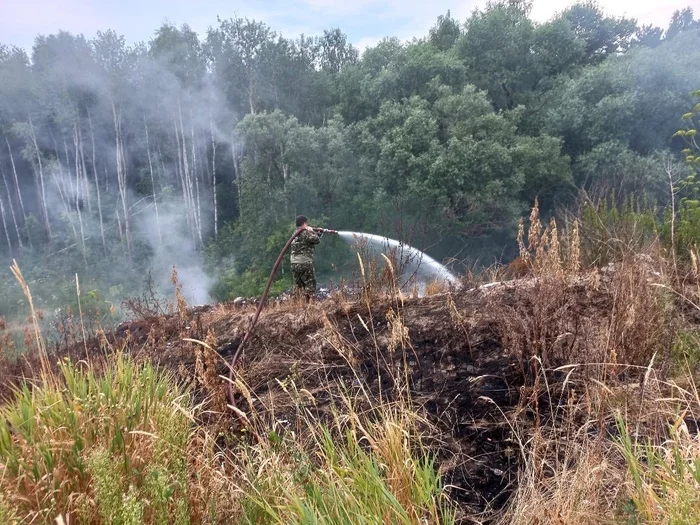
(302, 221)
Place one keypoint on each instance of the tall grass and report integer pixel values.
(663, 474)
(613, 456)
(607, 436)
(361, 461)
(109, 440)
(112, 441)
(121, 428)
(119, 446)
(362, 467)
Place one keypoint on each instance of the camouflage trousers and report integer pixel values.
(304, 276)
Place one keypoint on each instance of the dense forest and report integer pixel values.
(118, 161)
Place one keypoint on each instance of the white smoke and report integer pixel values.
(174, 247)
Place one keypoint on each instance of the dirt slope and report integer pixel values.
(467, 357)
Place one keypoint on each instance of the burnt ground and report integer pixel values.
(467, 357)
(457, 365)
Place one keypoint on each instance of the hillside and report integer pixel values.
(491, 368)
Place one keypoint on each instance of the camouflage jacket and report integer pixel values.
(303, 247)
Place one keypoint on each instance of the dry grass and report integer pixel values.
(436, 287)
(362, 466)
(112, 441)
(123, 448)
(582, 489)
(604, 436)
(611, 457)
(39, 340)
(549, 325)
(601, 433)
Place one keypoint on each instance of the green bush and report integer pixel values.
(611, 229)
(248, 284)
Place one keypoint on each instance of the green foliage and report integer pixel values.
(688, 225)
(629, 98)
(665, 478)
(50, 272)
(612, 229)
(368, 473)
(691, 119)
(685, 351)
(445, 33)
(602, 35)
(248, 284)
(613, 167)
(117, 434)
(444, 138)
(7, 514)
(104, 470)
(682, 20)
(468, 160)
(496, 50)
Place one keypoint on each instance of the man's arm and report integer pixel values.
(312, 237)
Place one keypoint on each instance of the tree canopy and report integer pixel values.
(199, 150)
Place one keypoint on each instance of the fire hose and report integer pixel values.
(261, 304)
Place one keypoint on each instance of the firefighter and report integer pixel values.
(302, 259)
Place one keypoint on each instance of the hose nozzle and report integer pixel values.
(324, 230)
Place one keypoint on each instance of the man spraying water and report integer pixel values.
(302, 258)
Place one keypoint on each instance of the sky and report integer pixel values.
(364, 21)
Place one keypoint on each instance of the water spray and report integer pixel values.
(415, 260)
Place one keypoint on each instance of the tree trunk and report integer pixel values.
(199, 212)
(72, 189)
(119, 224)
(178, 164)
(181, 177)
(4, 225)
(251, 89)
(153, 180)
(14, 172)
(187, 175)
(213, 175)
(163, 172)
(106, 180)
(78, 193)
(64, 202)
(44, 207)
(239, 185)
(97, 184)
(86, 183)
(198, 209)
(12, 208)
(121, 173)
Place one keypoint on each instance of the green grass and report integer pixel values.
(119, 446)
(665, 485)
(88, 444)
(685, 352)
(365, 468)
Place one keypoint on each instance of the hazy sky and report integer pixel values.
(365, 21)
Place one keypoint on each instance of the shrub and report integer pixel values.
(612, 230)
